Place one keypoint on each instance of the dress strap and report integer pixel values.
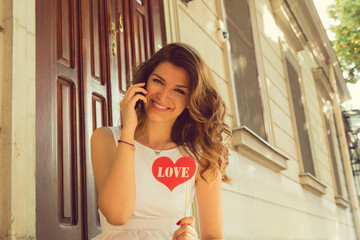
(116, 133)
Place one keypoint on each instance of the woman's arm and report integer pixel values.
(210, 207)
(114, 166)
(114, 176)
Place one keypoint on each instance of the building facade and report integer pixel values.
(64, 67)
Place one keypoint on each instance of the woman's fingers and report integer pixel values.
(133, 94)
(186, 230)
(187, 220)
(137, 88)
(127, 105)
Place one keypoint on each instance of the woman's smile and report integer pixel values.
(159, 107)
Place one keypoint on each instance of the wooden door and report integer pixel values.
(86, 50)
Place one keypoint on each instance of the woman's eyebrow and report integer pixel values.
(158, 76)
(181, 86)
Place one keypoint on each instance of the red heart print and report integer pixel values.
(172, 175)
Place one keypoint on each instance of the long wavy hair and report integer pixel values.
(200, 129)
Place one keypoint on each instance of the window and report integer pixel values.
(332, 145)
(325, 93)
(244, 66)
(301, 124)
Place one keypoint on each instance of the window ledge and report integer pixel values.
(312, 184)
(254, 147)
(342, 202)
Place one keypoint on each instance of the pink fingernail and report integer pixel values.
(179, 222)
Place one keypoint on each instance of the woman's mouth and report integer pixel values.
(159, 107)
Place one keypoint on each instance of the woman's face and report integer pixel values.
(169, 89)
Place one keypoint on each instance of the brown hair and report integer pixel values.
(200, 129)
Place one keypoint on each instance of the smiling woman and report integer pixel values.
(147, 170)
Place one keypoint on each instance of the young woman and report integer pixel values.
(170, 115)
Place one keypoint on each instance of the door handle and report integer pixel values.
(113, 38)
(121, 26)
(114, 32)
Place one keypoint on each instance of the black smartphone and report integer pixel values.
(140, 103)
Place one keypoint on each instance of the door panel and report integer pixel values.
(67, 161)
(141, 30)
(157, 31)
(93, 12)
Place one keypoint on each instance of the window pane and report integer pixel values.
(238, 12)
(244, 66)
(301, 125)
(332, 154)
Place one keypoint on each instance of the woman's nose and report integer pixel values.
(164, 94)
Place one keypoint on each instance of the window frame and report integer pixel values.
(307, 180)
(261, 84)
(245, 141)
(326, 92)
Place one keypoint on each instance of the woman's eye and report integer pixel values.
(155, 80)
(180, 91)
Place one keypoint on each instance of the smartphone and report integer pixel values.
(140, 103)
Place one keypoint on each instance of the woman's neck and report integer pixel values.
(156, 135)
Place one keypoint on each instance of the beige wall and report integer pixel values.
(262, 203)
(17, 121)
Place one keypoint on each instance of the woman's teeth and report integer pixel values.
(157, 105)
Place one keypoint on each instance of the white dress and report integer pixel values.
(157, 208)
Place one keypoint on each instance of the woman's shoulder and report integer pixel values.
(101, 131)
(105, 133)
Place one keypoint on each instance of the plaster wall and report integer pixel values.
(17, 124)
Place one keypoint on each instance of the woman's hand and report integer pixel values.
(127, 105)
(186, 230)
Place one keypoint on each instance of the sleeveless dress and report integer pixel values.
(157, 208)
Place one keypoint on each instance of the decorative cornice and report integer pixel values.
(321, 78)
(289, 24)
